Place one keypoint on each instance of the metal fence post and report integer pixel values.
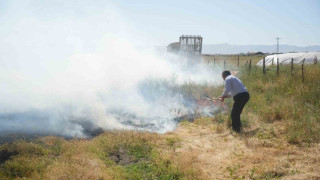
(238, 61)
(302, 70)
(291, 66)
(277, 66)
(264, 66)
(224, 65)
(249, 66)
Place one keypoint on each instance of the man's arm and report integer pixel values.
(224, 96)
(227, 89)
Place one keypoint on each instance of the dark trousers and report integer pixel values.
(239, 101)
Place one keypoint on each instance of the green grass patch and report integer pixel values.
(135, 155)
(23, 159)
(285, 98)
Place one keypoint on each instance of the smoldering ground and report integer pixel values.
(68, 74)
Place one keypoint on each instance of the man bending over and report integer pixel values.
(234, 88)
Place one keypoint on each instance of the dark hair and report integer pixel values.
(226, 73)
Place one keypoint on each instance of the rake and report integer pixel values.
(212, 99)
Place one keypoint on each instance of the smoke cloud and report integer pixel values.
(69, 68)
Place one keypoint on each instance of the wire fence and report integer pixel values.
(286, 66)
(226, 64)
(289, 66)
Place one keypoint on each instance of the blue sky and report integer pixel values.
(245, 22)
(297, 22)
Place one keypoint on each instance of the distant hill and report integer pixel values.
(236, 49)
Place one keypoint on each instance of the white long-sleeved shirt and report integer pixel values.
(233, 86)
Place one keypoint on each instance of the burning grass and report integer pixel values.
(280, 140)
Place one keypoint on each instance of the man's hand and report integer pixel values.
(221, 98)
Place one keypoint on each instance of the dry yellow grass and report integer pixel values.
(203, 149)
(77, 163)
(224, 155)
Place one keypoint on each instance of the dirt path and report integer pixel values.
(225, 155)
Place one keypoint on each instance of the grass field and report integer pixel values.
(280, 140)
(283, 97)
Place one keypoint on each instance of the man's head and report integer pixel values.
(225, 74)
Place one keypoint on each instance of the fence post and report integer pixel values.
(249, 66)
(224, 64)
(291, 66)
(277, 66)
(214, 61)
(238, 61)
(302, 70)
(264, 66)
(272, 61)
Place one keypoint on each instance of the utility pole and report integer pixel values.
(277, 38)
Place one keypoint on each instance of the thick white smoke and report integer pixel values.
(69, 67)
